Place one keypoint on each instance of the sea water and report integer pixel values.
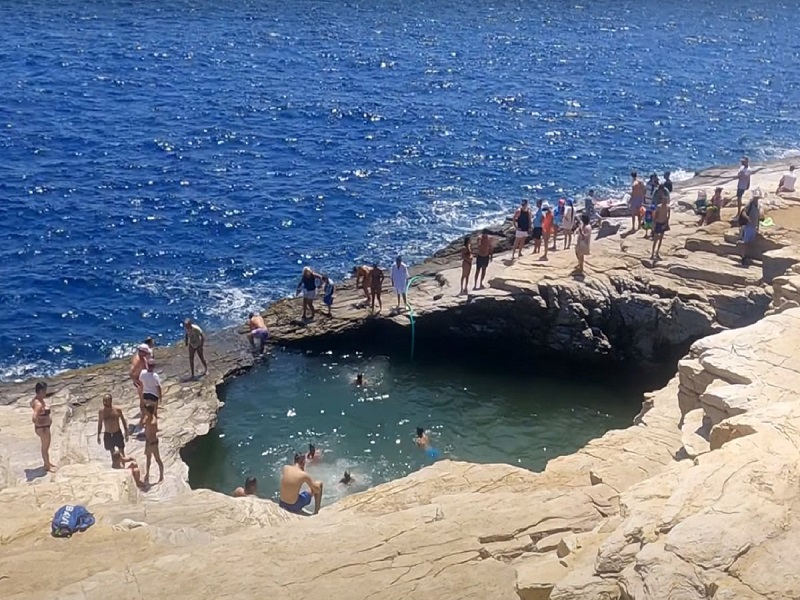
(160, 160)
(518, 414)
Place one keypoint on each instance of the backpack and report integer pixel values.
(70, 519)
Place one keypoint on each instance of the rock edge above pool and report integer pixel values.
(697, 499)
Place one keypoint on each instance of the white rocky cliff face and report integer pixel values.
(697, 500)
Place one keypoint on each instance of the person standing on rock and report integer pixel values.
(151, 387)
(258, 331)
(42, 421)
(362, 279)
(583, 243)
(328, 289)
(522, 228)
(660, 221)
(111, 418)
(292, 497)
(138, 363)
(376, 277)
(638, 193)
(742, 182)
(568, 222)
(485, 252)
(538, 227)
(466, 265)
(399, 275)
(750, 219)
(151, 445)
(195, 339)
(668, 181)
(308, 287)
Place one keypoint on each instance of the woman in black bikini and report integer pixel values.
(151, 444)
(41, 423)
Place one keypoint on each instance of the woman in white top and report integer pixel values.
(568, 223)
(583, 243)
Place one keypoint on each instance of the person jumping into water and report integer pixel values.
(292, 497)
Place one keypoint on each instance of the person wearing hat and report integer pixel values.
(138, 363)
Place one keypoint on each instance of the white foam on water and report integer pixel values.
(329, 472)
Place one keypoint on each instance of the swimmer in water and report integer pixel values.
(359, 379)
(313, 454)
(250, 488)
(422, 438)
(347, 479)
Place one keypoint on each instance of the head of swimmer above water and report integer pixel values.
(360, 379)
(250, 486)
(312, 451)
(300, 460)
(420, 432)
(347, 478)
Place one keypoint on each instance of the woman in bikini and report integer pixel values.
(376, 285)
(466, 265)
(41, 423)
(151, 444)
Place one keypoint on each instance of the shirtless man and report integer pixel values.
(292, 479)
(376, 285)
(138, 363)
(485, 252)
(258, 330)
(119, 460)
(638, 193)
(362, 279)
(250, 488)
(151, 445)
(110, 417)
(195, 340)
(422, 438)
(41, 423)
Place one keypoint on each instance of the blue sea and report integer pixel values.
(160, 160)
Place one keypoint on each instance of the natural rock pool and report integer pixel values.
(522, 415)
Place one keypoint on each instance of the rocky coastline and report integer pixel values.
(694, 500)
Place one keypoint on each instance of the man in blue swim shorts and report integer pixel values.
(258, 331)
(293, 498)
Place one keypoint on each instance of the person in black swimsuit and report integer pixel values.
(522, 228)
(42, 420)
(151, 444)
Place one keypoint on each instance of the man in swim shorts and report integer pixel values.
(293, 477)
(258, 331)
(195, 339)
(638, 193)
(110, 417)
(485, 251)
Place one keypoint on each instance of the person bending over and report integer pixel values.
(292, 497)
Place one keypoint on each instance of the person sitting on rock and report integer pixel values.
(119, 461)
(292, 497)
(786, 184)
(250, 488)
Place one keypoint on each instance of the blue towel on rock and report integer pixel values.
(70, 519)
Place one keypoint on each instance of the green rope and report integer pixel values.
(411, 313)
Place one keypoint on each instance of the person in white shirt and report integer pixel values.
(400, 280)
(787, 182)
(151, 386)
